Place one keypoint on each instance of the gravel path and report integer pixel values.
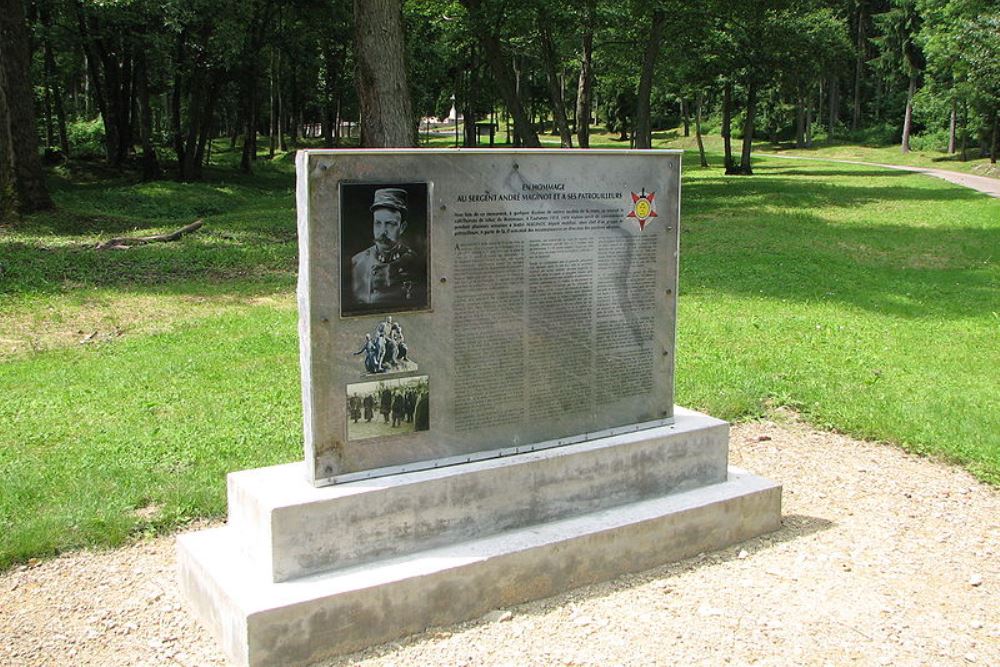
(984, 184)
(884, 558)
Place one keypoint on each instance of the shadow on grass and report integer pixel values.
(760, 237)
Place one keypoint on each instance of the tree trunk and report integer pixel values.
(697, 128)
(272, 130)
(51, 78)
(250, 128)
(552, 80)
(57, 98)
(748, 118)
(800, 123)
(109, 61)
(995, 138)
(685, 117)
(469, 138)
(952, 122)
(292, 127)
(965, 131)
(908, 117)
(859, 64)
(252, 45)
(834, 118)
(22, 180)
(504, 77)
(727, 122)
(207, 114)
(809, 123)
(643, 134)
(383, 92)
(150, 164)
(585, 83)
(331, 92)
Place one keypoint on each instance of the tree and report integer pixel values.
(22, 181)
(386, 112)
(654, 37)
(585, 83)
(486, 21)
(900, 53)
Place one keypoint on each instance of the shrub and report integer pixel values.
(86, 138)
(934, 140)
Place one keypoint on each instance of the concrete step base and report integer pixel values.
(295, 622)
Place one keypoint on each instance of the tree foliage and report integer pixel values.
(165, 78)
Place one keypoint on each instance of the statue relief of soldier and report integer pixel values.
(384, 260)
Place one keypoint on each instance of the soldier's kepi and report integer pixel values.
(388, 272)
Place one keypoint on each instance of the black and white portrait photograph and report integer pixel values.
(385, 350)
(388, 407)
(384, 246)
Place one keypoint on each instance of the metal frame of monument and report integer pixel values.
(487, 351)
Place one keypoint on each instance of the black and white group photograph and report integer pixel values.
(388, 407)
(384, 248)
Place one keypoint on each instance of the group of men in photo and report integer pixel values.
(385, 349)
(397, 406)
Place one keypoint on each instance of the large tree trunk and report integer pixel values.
(643, 134)
(908, 117)
(697, 127)
(727, 124)
(384, 95)
(584, 85)
(748, 118)
(552, 80)
(22, 181)
(952, 122)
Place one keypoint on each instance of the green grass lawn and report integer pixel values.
(133, 380)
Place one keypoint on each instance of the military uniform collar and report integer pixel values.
(390, 255)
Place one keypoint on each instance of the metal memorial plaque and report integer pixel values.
(462, 304)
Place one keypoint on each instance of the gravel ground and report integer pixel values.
(883, 558)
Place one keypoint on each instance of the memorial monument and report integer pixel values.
(487, 353)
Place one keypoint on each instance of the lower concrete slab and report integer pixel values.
(260, 622)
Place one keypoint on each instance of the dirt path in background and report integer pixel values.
(883, 558)
(984, 184)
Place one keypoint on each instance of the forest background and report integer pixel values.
(152, 83)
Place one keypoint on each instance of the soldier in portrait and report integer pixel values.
(389, 274)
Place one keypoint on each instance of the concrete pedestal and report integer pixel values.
(300, 574)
